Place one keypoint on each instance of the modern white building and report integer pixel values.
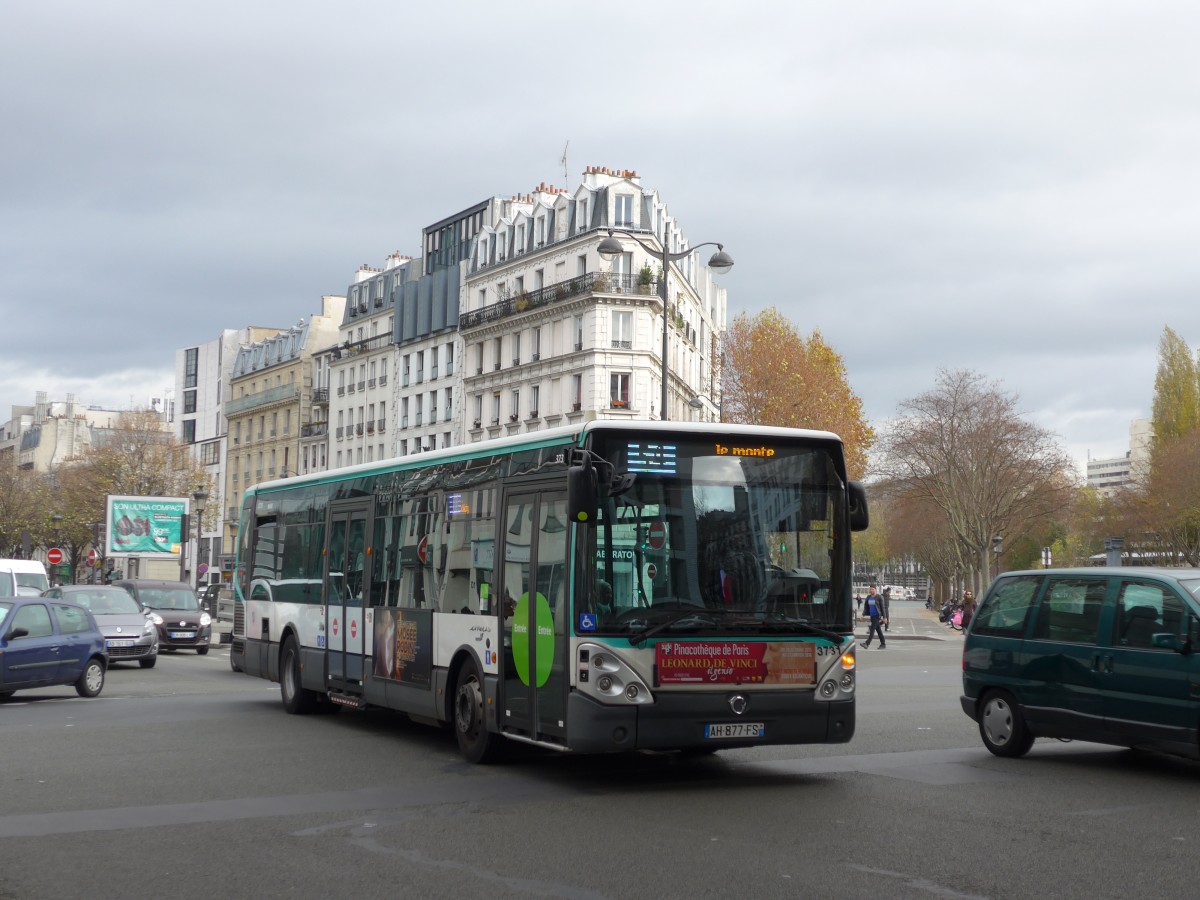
(1115, 473)
(202, 376)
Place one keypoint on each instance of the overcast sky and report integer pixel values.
(1008, 188)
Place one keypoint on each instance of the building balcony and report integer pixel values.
(283, 393)
(321, 396)
(314, 429)
(581, 285)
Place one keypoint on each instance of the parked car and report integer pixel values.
(45, 642)
(128, 630)
(175, 610)
(1110, 655)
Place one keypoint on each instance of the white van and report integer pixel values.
(25, 577)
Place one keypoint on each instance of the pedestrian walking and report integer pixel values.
(875, 612)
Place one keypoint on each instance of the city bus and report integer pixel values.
(606, 587)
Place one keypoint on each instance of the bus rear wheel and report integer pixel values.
(296, 699)
(477, 744)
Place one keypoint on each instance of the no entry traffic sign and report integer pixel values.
(54, 556)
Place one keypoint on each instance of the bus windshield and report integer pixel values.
(715, 539)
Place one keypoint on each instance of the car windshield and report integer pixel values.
(169, 598)
(35, 580)
(105, 601)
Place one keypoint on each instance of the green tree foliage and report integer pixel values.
(26, 504)
(1176, 409)
(775, 376)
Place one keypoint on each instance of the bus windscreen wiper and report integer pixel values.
(689, 613)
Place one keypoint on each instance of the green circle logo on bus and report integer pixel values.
(544, 622)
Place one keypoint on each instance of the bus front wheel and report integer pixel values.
(296, 699)
(477, 744)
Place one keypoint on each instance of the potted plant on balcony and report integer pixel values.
(523, 302)
(576, 406)
(600, 282)
(645, 279)
(620, 404)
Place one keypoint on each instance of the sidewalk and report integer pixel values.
(911, 621)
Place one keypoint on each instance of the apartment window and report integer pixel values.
(581, 264)
(433, 362)
(478, 410)
(449, 359)
(479, 358)
(482, 297)
(579, 332)
(189, 402)
(420, 366)
(191, 366)
(496, 407)
(448, 402)
(535, 395)
(623, 213)
(622, 330)
(516, 348)
(189, 431)
(583, 215)
(618, 389)
(287, 421)
(514, 404)
(497, 349)
(576, 391)
(537, 344)
(274, 424)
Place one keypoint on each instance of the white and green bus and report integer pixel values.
(604, 587)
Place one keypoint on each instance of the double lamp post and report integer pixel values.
(721, 262)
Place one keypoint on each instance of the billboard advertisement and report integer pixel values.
(145, 526)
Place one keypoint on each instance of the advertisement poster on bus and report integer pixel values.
(145, 526)
(404, 645)
(735, 662)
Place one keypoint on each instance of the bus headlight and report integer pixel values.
(828, 689)
(605, 677)
(847, 681)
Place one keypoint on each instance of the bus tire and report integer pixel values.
(296, 700)
(477, 744)
(1002, 727)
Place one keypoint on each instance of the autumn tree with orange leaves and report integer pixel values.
(774, 375)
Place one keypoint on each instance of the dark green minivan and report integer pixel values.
(1110, 655)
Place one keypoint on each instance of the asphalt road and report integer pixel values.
(188, 780)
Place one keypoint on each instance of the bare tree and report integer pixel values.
(962, 449)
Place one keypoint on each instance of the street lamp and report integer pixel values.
(701, 401)
(997, 549)
(721, 262)
(200, 498)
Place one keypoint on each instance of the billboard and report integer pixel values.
(145, 526)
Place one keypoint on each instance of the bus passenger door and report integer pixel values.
(346, 586)
(533, 605)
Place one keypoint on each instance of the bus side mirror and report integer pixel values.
(859, 518)
(582, 494)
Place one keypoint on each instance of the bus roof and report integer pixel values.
(572, 434)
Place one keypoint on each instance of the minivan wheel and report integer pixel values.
(1003, 730)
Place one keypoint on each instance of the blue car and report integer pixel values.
(45, 642)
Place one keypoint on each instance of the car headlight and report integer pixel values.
(149, 629)
(155, 618)
(205, 620)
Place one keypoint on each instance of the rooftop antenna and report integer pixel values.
(566, 183)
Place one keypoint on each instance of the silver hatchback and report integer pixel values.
(129, 633)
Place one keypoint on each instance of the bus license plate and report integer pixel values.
(181, 634)
(119, 643)
(734, 730)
